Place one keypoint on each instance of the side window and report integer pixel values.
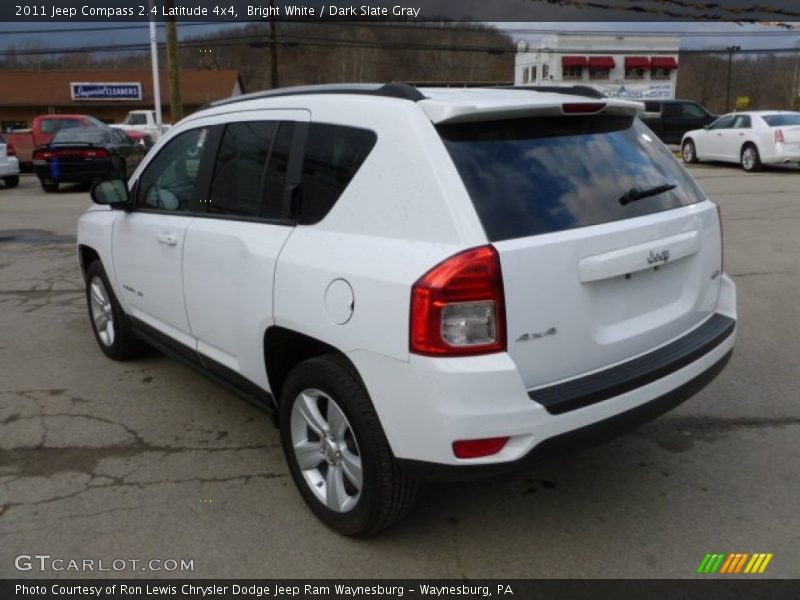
(742, 122)
(692, 111)
(333, 156)
(275, 180)
(168, 182)
(652, 107)
(239, 170)
(722, 123)
(672, 111)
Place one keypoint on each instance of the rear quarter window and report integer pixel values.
(541, 175)
(333, 155)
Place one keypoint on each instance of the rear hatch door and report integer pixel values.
(608, 248)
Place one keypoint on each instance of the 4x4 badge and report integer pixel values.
(526, 337)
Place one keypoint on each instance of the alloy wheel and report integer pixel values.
(102, 313)
(326, 450)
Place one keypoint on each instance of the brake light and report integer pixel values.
(10, 150)
(779, 139)
(457, 308)
(70, 153)
(478, 448)
(585, 108)
(43, 154)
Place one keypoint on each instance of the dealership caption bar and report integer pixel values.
(311, 589)
(394, 10)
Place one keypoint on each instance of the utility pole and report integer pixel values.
(173, 65)
(731, 50)
(273, 47)
(154, 62)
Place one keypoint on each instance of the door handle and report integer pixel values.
(168, 239)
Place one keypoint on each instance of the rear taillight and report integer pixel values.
(457, 308)
(10, 151)
(70, 153)
(43, 154)
(779, 139)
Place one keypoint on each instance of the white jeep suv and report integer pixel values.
(423, 283)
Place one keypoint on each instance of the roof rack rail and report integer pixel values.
(571, 90)
(388, 90)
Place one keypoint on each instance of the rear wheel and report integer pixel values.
(12, 181)
(689, 152)
(110, 324)
(336, 449)
(50, 186)
(750, 159)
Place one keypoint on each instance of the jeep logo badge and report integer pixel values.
(658, 257)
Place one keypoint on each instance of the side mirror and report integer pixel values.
(111, 192)
(706, 127)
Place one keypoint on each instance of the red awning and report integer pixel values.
(601, 62)
(637, 62)
(574, 61)
(663, 62)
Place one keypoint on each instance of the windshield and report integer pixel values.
(541, 175)
(87, 136)
(782, 119)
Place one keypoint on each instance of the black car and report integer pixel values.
(670, 119)
(84, 155)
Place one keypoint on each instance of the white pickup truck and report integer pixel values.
(143, 121)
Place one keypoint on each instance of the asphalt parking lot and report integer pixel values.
(147, 459)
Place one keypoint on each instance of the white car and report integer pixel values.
(423, 283)
(752, 139)
(9, 164)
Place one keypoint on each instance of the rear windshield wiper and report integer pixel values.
(634, 194)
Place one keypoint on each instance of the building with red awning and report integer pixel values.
(637, 66)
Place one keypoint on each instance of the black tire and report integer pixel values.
(12, 181)
(50, 186)
(750, 162)
(121, 344)
(386, 493)
(689, 152)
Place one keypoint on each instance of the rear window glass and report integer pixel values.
(782, 120)
(541, 175)
(89, 136)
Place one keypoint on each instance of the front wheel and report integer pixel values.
(750, 159)
(50, 186)
(689, 152)
(110, 324)
(12, 181)
(336, 450)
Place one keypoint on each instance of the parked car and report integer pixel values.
(671, 119)
(142, 121)
(9, 165)
(752, 139)
(423, 283)
(86, 155)
(42, 132)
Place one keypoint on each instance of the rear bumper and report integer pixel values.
(425, 404)
(784, 153)
(74, 172)
(569, 441)
(9, 167)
